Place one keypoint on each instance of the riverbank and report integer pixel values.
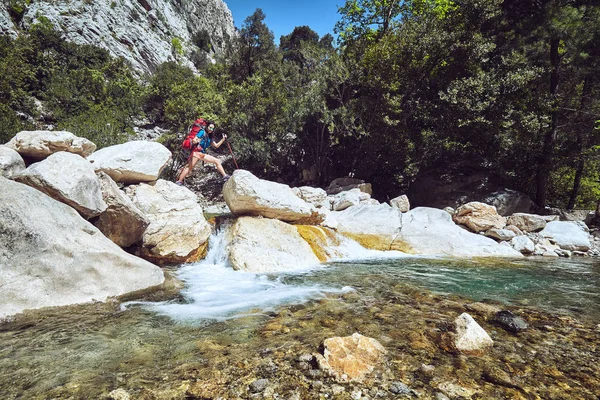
(90, 351)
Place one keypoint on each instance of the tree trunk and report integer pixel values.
(545, 164)
(582, 143)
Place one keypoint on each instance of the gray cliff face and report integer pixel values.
(141, 31)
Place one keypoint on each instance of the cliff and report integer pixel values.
(145, 32)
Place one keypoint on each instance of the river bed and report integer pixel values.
(225, 330)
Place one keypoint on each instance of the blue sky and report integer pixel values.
(284, 15)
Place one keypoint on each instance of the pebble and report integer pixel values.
(510, 321)
(400, 388)
(259, 385)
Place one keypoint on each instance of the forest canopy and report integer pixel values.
(506, 86)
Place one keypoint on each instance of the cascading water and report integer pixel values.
(214, 291)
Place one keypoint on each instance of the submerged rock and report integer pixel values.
(509, 321)
(471, 338)
(351, 358)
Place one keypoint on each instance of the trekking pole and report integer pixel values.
(232, 156)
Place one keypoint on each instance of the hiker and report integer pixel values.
(202, 141)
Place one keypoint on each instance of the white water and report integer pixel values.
(214, 291)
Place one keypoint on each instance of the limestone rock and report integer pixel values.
(245, 194)
(122, 222)
(132, 162)
(268, 245)
(431, 231)
(351, 358)
(178, 231)
(315, 196)
(353, 197)
(479, 217)
(569, 235)
(50, 256)
(522, 244)
(500, 234)
(11, 162)
(345, 184)
(374, 227)
(508, 202)
(38, 145)
(140, 31)
(527, 222)
(79, 187)
(401, 203)
(471, 338)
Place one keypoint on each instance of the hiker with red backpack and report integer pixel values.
(197, 142)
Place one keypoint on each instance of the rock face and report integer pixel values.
(401, 203)
(268, 245)
(68, 178)
(11, 163)
(479, 217)
(132, 162)
(351, 358)
(178, 231)
(527, 222)
(38, 145)
(568, 235)
(141, 31)
(245, 194)
(373, 226)
(122, 222)
(470, 337)
(431, 231)
(50, 256)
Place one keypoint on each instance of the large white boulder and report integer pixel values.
(50, 256)
(68, 178)
(178, 231)
(11, 162)
(268, 245)
(431, 231)
(122, 222)
(132, 162)
(40, 144)
(373, 226)
(523, 244)
(479, 217)
(245, 194)
(569, 235)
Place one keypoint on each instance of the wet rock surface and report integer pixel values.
(269, 355)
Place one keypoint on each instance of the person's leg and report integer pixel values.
(189, 167)
(214, 160)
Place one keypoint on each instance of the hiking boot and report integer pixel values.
(179, 183)
(225, 178)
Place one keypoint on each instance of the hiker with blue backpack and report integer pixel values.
(197, 142)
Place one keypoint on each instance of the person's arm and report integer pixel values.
(218, 144)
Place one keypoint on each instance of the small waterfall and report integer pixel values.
(214, 291)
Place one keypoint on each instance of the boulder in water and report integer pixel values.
(471, 338)
(50, 256)
(509, 321)
(569, 235)
(268, 245)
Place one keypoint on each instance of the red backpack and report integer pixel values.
(200, 123)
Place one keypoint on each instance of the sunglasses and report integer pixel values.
(212, 128)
